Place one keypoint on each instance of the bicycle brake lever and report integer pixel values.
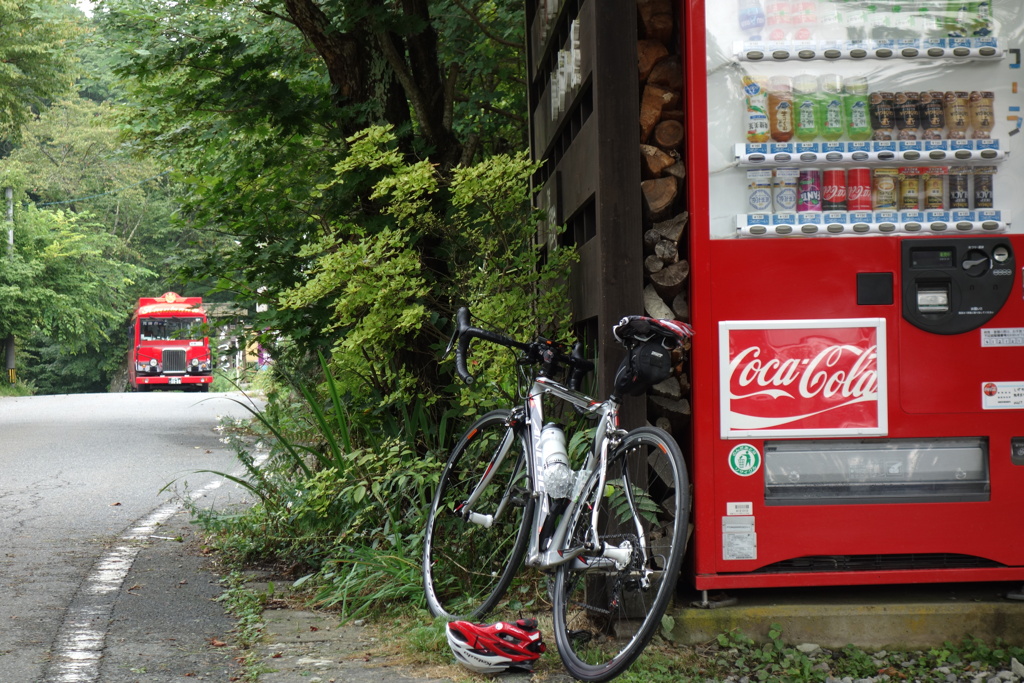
(451, 343)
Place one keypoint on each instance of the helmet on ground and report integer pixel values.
(494, 648)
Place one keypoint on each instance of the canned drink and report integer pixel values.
(956, 108)
(980, 109)
(983, 196)
(908, 114)
(785, 185)
(933, 115)
(934, 197)
(959, 196)
(882, 107)
(809, 198)
(910, 192)
(884, 194)
(759, 191)
(833, 190)
(858, 190)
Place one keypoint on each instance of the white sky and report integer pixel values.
(85, 6)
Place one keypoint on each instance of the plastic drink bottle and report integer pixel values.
(755, 95)
(832, 116)
(780, 108)
(808, 107)
(751, 18)
(856, 108)
(556, 473)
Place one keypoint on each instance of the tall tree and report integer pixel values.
(298, 128)
(74, 158)
(64, 280)
(35, 64)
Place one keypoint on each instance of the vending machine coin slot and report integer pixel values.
(955, 285)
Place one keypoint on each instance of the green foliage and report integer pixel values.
(71, 162)
(737, 654)
(621, 506)
(246, 605)
(65, 280)
(350, 514)
(54, 369)
(384, 294)
(73, 151)
(35, 64)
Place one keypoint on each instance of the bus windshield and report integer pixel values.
(160, 329)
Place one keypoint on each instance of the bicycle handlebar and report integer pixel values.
(545, 353)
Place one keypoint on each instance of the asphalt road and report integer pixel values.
(80, 481)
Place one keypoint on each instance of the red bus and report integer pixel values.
(167, 346)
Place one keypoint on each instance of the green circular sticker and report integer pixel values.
(744, 460)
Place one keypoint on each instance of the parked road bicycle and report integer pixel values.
(608, 526)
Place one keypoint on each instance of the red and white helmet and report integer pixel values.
(494, 648)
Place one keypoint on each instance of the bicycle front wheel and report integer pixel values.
(469, 560)
(605, 614)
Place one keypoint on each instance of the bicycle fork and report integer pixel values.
(465, 510)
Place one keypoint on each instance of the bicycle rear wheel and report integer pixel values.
(605, 615)
(467, 565)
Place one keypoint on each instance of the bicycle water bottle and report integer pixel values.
(557, 475)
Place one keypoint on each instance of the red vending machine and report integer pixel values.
(858, 369)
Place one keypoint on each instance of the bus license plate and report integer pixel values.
(174, 380)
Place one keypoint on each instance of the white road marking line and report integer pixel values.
(82, 637)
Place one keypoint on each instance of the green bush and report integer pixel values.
(356, 449)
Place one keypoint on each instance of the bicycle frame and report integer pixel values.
(548, 551)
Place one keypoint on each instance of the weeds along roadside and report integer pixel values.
(339, 503)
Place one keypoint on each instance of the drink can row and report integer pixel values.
(861, 189)
(772, 191)
(835, 189)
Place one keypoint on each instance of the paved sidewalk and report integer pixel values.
(307, 647)
(312, 647)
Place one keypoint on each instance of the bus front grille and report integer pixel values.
(174, 360)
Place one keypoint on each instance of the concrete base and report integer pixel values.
(869, 617)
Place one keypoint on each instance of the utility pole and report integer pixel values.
(12, 373)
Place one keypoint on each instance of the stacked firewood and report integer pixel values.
(666, 268)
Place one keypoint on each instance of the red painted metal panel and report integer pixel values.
(937, 388)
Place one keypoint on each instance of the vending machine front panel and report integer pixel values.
(855, 229)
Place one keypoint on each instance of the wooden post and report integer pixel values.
(12, 376)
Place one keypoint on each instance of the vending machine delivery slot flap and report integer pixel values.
(876, 471)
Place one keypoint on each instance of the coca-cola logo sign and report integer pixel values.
(803, 377)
